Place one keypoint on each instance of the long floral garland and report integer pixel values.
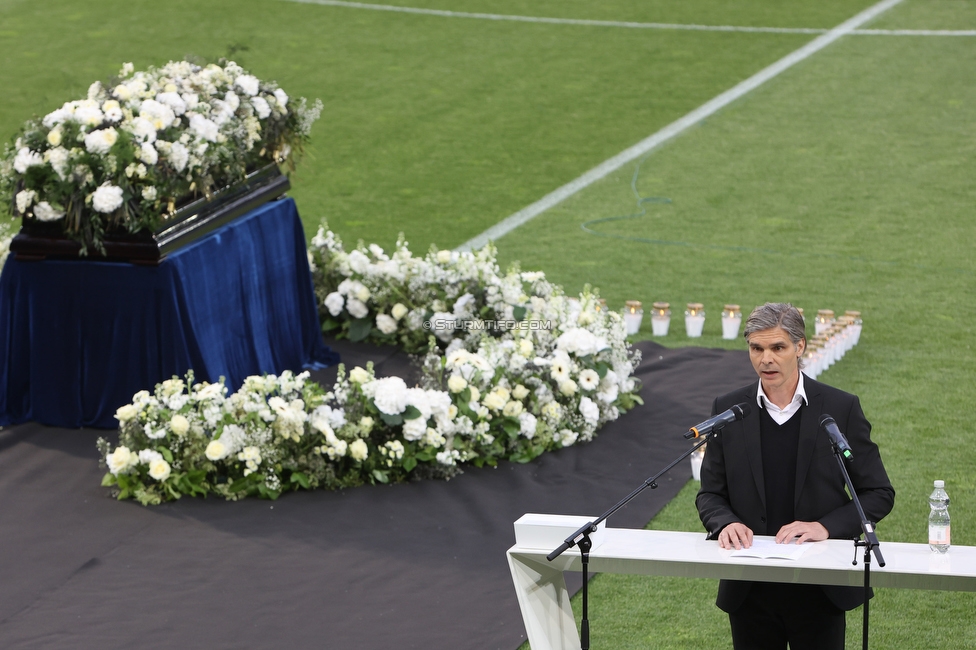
(512, 367)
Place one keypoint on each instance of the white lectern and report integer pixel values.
(549, 620)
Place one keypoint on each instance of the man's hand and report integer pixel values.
(801, 531)
(736, 535)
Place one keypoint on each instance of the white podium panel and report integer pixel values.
(549, 620)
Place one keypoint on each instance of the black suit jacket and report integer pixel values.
(733, 490)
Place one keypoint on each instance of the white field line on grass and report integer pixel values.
(610, 165)
(628, 24)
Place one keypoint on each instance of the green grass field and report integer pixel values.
(844, 183)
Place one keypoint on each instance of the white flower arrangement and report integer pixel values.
(123, 158)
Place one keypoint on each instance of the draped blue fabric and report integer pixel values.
(79, 338)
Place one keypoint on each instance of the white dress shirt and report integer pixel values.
(781, 415)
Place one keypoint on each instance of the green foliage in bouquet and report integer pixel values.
(512, 368)
(125, 157)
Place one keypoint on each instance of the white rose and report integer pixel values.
(456, 383)
(149, 193)
(399, 311)
(121, 460)
(520, 392)
(179, 425)
(386, 324)
(359, 450)
(126, 413)
(216, 450)
(54, 137)
(444, 256)
(494, 401)
(358, 375)
(159, 470)
(512, 409)
(568, 387)
(107, 198)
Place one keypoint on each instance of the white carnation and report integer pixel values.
(44, 212)
(334, 302)
(527, 425)
(261, 107)
(24, 199)
(25, 159)
(178, 156)
(281, 97)
(147, 153)
(141, 129)
(580, 342)
(101, 141)
(107, 198)
(356, 308)
(247, 83)
(174, 101)
(148, 456)
(161, 115)
(359, 450)
(389, 394)
(206, 129)
(589, 410)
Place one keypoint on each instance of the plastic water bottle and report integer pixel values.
(939, 518)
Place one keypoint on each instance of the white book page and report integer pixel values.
(769, 549)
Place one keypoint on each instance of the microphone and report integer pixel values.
(737, 412)
(837, 438)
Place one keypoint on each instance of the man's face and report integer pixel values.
(775, 358)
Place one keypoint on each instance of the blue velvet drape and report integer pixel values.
(79, 338)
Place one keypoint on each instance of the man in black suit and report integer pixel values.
(773, 473)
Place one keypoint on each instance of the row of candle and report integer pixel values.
(694, 319)
(847, 327)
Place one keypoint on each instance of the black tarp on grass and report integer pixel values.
(418, 565)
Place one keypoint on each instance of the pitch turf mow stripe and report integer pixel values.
(512, 222)
(630, 25)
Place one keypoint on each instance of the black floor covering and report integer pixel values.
(419, 565)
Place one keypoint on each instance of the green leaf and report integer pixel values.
(381, 476)
(330, 324)
(392, 420)
(301, 479)
(518, 313)
(109, 480)
(511, 426)
(360, 328)
(167, 454)
(409, 463)
(601, 369)
(412, 412)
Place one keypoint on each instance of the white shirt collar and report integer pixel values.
(783, 414)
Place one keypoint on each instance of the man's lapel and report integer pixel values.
(809, 426)
(753, 444)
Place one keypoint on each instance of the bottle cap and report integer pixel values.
(940, 484)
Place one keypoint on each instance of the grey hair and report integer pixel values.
(777, 314)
